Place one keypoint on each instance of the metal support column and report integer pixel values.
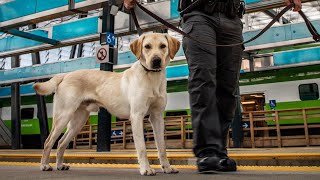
(237, 133)
(15, 109)
(41, 103)
(80, 49)
(104, 117)
(251, 62)
(73, 52)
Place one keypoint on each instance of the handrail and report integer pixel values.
(178, 129)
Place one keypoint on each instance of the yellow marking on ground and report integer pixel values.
(177, 156)
(136, 166)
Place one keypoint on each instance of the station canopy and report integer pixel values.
(251, 21)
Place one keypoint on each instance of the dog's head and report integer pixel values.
(155, 50)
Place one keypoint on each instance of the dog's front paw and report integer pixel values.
(63, 167)
(170, 170)
(147, 172)
(45, 167)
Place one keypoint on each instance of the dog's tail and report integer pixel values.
(47, 88)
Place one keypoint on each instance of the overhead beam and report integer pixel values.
(30, 36)
(50, 14)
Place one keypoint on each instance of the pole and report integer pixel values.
(15, 109)
(104, 117)
(41, 103)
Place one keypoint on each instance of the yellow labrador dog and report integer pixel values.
(132, 94)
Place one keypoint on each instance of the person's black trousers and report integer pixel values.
(213, 77)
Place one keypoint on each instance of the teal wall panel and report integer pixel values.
(252, 1)
(17, 8)
(24, 90)
(14, 42)
(43, 5)
(281, 33)
(297, 56)
(75, 29)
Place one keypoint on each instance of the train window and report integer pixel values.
(308, 91)
(176, 113)
(27, 113)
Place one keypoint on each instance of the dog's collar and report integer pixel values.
(150, 70)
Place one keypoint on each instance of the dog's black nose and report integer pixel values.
(156, 62)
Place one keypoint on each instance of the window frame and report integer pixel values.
(302, 99)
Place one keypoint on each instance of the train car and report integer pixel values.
(285, 80)
(284, 88)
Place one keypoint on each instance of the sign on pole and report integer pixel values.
(110, 39)
(273, 104)
(102, 54)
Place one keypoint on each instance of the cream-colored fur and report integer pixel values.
(131, 94)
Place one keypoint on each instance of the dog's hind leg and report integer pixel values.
(137, 130)
(60, 122)
(157, 122)
(74, 127)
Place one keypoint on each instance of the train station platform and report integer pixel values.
(276, 163)
(303, 156)
(27, 172)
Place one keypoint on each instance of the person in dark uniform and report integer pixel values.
(213, 74)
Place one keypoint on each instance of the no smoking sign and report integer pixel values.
(102, 54)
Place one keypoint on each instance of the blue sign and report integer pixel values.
(272, 104)
(115, 133)
(245, 125)
(110, 39)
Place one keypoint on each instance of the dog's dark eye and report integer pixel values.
(163, 46)
(147, 46)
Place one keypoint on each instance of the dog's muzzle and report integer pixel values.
(156, 63)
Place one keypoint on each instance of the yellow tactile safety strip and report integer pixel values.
(135, 166)
(177, 156)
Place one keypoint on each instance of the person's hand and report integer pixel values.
(129, 4)
(297, 4)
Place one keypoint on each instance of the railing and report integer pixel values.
(295, 123)
(281, 128)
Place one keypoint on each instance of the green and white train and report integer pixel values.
(292, 87)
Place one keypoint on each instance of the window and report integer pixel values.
(308, 92)
(27, 113)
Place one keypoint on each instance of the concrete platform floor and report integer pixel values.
(27, 172)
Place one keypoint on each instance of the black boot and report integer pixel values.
(210, 164)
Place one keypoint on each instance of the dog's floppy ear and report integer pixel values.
(136, 47)
(174, 46)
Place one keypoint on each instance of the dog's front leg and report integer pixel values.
(138, 137)
(157, 121)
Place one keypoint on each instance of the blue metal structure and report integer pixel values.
(72, 31)
(89, 26)
(19, 8)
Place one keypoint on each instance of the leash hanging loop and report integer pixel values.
(311, 28)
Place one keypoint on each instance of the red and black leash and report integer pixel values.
(310, 27)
